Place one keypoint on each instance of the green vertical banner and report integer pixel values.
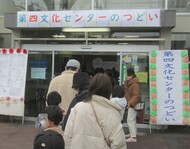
(124, 72)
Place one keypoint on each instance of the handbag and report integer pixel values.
(139, 106)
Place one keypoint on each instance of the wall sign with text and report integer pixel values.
(90, 18)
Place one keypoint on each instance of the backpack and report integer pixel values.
(49, 139)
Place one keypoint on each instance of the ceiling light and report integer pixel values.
(131, 36)
(123, 43)
(58, 36)
(86, 29)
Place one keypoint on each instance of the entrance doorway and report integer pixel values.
(52, 63)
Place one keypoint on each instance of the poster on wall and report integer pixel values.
(13, 65)
(169, 87)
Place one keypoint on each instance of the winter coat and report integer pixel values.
(57, 129)
(62, 84)
(121, 102)
(78, 98)
(132, 91)
(84, 132)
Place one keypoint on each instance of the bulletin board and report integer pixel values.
(169, 87)
(13, 65)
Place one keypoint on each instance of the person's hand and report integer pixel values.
(64, 112)
(128, 105)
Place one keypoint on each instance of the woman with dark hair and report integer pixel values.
(81, 81)
(132, 94)
(95, 123)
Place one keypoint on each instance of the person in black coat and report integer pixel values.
(81, 81)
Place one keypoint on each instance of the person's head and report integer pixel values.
(73, 64)
(53, 98)
(100, 85)
(80, 80)
(99, 70)
(91, 75)
(49, 139)
(130, 73)
(109, 72)
(55, 115)
(118, 91)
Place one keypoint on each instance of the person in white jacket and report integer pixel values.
(118, 97)
(95, 123)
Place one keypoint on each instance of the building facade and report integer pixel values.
(51, 47)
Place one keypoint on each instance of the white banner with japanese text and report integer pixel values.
(89, 18)
(169, 87)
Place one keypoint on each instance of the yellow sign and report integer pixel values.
(142, 76)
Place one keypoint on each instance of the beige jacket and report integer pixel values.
(83, 131)
(63, 84)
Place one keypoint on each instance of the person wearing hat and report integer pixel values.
(132, 94)
(49, 140)
(81, 81)
(63, 83)
(52, 136)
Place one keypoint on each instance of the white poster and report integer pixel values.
(38, 73)
(13, 64)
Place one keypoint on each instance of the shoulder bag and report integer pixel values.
(139, 106)
(98, 121)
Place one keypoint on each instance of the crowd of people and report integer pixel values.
(86, 112)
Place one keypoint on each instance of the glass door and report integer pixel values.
(139, 62)
(39, 73)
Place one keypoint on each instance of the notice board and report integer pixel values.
(169, 87)
(13, 65)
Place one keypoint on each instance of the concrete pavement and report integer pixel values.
(14, 135)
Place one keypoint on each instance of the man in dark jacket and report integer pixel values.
(81, 81)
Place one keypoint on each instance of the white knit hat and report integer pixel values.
(73, 63)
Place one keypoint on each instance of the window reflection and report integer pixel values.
(8, 6)
(5, 40)
(128, 4)
(20, 4)
(180, 41)
(11, 6)
(45, 5)
(181, 6)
